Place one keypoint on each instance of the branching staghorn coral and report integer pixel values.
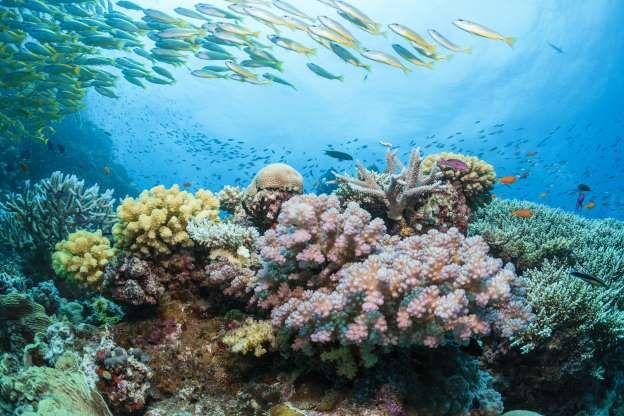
(403, 189)
(425, 290)
(48, 211)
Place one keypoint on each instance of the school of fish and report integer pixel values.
(53, 51)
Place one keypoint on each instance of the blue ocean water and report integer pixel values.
(498, 103)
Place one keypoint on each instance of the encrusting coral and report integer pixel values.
(154, 224)
(403, 189)
(82, 258)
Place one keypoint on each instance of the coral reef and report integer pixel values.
(313, 239)
(251, 336)
(155, 223)
(39, 391)
(425, 290)
(82, 258)
(474, 177)
(232, 278)
(124, 379)
(594, 246)
(46, 212)
(232, 240)
(134, 282)
(22, 318)
(271, 187)
(231, 199)
(403, 189)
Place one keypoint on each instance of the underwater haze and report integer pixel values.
(311, 208)
(561, 105)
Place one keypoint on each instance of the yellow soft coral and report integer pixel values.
(250, 337)
(83, 257)
(155, 223)
(475, 181)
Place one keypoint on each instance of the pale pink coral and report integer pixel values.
(314, 238)
(424, 290)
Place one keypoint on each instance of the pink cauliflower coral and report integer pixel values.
(313, 239)
(424, 290)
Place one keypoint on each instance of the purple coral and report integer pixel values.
(134, 282)
(424, 290)
(314, 238)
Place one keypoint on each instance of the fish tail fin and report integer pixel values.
(406, 70)
(340, 78)
(255, 34)
(432, 49)
(429, 65)
(467, 50)
(310, 52)
(384, 33)
(449, 57)
(366, 67)
(279, 65)
(511, 41)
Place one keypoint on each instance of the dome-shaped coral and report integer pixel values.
(475, 176)
(155, 223)
(83, 257)
(278, 176)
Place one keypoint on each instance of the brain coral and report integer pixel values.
(83, 257)
(476, 179)
(279, 176)
(155, 223)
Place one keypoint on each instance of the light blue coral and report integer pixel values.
(48, 211)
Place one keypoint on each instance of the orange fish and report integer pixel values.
(507, 180)
(522, 213)
(23, 167)
(590, 205)
(531, 154)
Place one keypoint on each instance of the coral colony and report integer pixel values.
(405, 292)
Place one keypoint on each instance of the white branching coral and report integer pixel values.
(222, 235)
(404, 187)
(48, 211)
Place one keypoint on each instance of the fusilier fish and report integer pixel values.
(266, 17)
(386, 59)
(213, 55)
(434, 56)
(331, 36)
(346, 56)
(237, 30)
(291, 45)
(480, 30)
(204, 73)
(322, 72)
(296, 23)
(240, 70)
(290, 9)
(178, 33)
(333, 25)
(278, 80)
(412, 36)
(213, 11)
(358, 15)
(183, 11)
(445, 43)
(410, 57)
